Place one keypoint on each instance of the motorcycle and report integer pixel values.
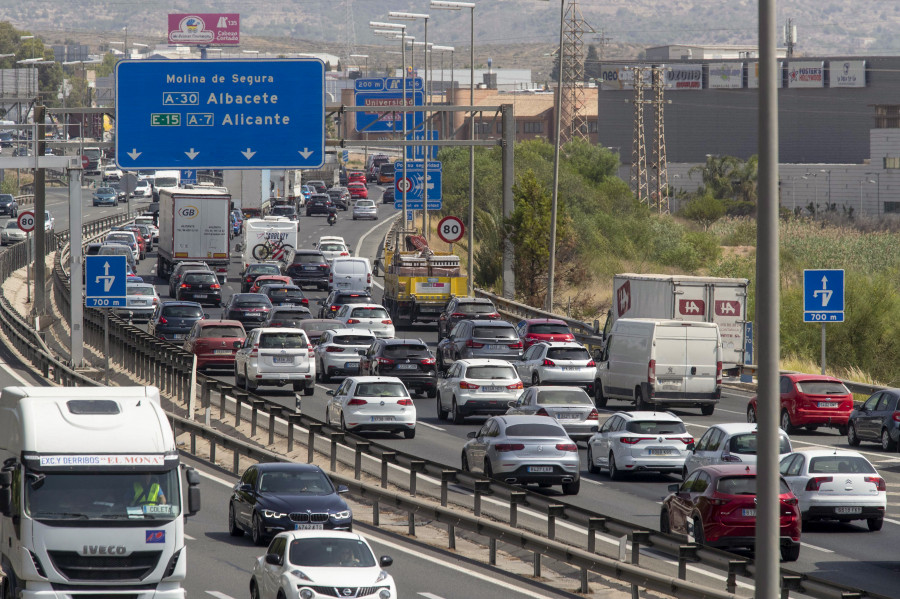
(332, 218)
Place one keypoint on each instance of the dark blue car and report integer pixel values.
(172, 321)
(237, 222)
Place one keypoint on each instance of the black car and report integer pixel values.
(336, 299)
(463, 308)
(200, 286)
(250, 309)
(179, 270)
(318, 204)
(309, 267)
(319, 186)
(174, 320)
(8, 205)
(876, 420)
(284, 295)
(340, 197)
(409, 360)
(257, 269)
(285, 210)
(342, 177)
(287, 316)
(388, 196)
(275, 497)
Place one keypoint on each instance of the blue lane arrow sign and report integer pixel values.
(104, 282)
(823, 295)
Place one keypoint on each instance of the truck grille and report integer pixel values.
(307, 517)
(136, 566)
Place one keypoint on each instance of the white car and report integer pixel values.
(369, 317)
(49, 223)
(141, 300)
(570, 406)
(639, 442)
(142, 189)
(562, 363)
(729, 443)
(372, 403)
(154, 230)
(11, 233)
(276, 356)
(834, 484)
(332, 246)
(305, 564)
(125, 238)
(337, 353)
(365, 209)
(476, 386)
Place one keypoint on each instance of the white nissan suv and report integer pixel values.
(276, 356)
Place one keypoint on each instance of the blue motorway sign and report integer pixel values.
(418, 152)
(188, 175)
(823, 295)
(386, 94)
(104, 281)
(414, 184)
(220, 114)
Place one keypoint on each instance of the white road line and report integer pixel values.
(189, 538)
(593, 482)
(437, 428)
(387, 221)
(429, 596)
(817, 548)
(215, 478)
(219, 595)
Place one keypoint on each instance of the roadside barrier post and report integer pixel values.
(415, 466)
(481, 487)
(386, 458)
(515, 498)
(361, 448)
(336, 438)
(274, 412)
(314, 429)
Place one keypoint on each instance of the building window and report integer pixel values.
(892, 207)
(593, 126)
(534, 127)
(892, 162)
(482, 128)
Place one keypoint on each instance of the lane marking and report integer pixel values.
(214, 478)
(429, 596)
(219, 595)
(189, 537)
(389, 220)
(437, 428)
(817, 548)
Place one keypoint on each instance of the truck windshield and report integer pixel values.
(103, 496)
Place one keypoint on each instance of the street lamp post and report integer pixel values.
(446, 5)
(828, 172)
(877, 183)
(443, 50)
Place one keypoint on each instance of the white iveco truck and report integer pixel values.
(91, 495)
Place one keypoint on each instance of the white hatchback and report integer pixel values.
(372, 403)
(834, 484)
(561, 363)
(729, 443)
(332, 247)
(473, 386)
(337, 352)
(369, 317)
(639, 441)
(275, 356)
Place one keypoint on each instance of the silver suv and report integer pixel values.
(479, 339)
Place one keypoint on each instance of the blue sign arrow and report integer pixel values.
(823, 295)
(188, 175)
(213, 114)
(415, 183)
(104, 281)
(418, 152)
(389, 93)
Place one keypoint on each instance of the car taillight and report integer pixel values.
(492, 316)
(345, 254)
(457, 315)
(651, 371)
(334, 308)
(895, 416)
(685, 440)
(357, 402)
(718, 501)
(465, 385)
(388, 321)
(814, 484)
(155, 301)
(633, 440)
(248, 280)
(214, 286)
(330, 277)
(566, 447)
(369, 278)
(790, 501)
(727, 457)
(185, 286)
(352, 321)
(323, 265)
(333, 349)
(594, 415)
(514, 386)
(547, 362)
(405, 402)
(541, 412)
(591, 364)
(162, 320)
(879, 482)
(470, 343)
(718, 373)
(503, 447)
(516, 345)
(427, 361)
(255, 351)
(384, 361)
(304, 302)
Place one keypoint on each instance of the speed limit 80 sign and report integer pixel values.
(451, 229)
(26, 221)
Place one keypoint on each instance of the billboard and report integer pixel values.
(806, 73)
(683, 76)
(753, 75)
(205, 29)
(847, 73)
(621, 76)
(726, 75)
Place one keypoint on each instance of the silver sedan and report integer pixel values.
(558, 363)
(524, 450)
(570, 406)
(365, 209)
(11, 233)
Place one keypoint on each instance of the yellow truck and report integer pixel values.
(418, 282)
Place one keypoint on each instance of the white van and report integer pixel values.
(350, 274)
(661, 363)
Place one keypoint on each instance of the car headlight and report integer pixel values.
(381, 576)
(273, 514)
(384, 594)
(345, 515)
(306, 594)
(300, 575)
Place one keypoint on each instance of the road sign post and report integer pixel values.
(220, 114)
(823, 299)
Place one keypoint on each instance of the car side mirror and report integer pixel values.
(691, 446)
(673, 488)
(193, 491)
(472, 434)
(245, 488)
(330, 392)
(595, 429)
(238, 344)
(385, 560)
(6, 493)
(273, 559)
(205, 315)
(511, 404)
(343, 489)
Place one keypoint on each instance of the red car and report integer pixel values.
(717, 506)
(536, 330)
(810, 400)
(214, 342)
(270, 280)
(356, 177)
(358, 191)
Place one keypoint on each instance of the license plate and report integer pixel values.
(659, 452)
(382, 418)
(669, 384)
(200, 295)
(828, 404)
(222, 352)
(571, 368)
(343, 284)
(749, 512)
(848, 510)
(351, 364)
(310, 267)
(283, 360)
(406, 366)
(178, 336)
(540, 468)
(491, 389)
(567, 416)
(308, 527)
(145, 302)
(492, 346)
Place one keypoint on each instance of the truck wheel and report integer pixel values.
(161, 269)
(600, 400)
(708, 409)
(642, 404)
(309, 390)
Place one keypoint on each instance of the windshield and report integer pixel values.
(568, 353)
(331, 553)
(140, 290)
(106, 190)
(475, 308)
(405, 351)
(353, 340)
(491, 372)
(840, 464)
(563, 397)
(369, 313)
(107, 496)
(308, 259)
(263, 269)
(285, 210)
(746, 444)
(295, 483)
(549, 329)
(822, 388)
(495, 332)
(332, 247)
(381, 390)
(655, 427)
(282, 341)
(535, 430)
(182, 312)
(219, 331)
(285, 293)
(744, 485)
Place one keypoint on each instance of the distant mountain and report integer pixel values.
(824, 26)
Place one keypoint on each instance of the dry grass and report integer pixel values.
(853, 373)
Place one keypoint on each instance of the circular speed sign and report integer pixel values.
(26, 221)
(451, 229)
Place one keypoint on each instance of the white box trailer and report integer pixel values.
(251, 191)
(681, 297)
(91, 494)
(269, 239)
(194, 224)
